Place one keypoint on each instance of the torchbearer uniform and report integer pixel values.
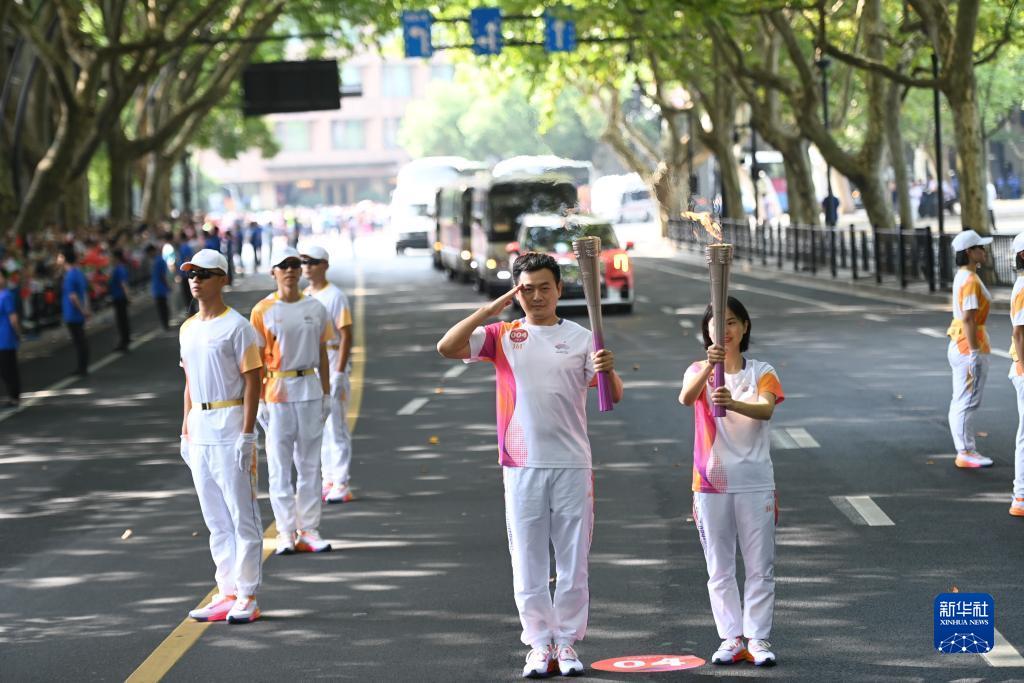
(970, 368)
(734, 498)
(290, 335)
(542, 375)
(1017, 378)
(336, 451)
(215, 354)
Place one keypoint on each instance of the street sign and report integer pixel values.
(485, 27)
(559, 31)
(416, 31)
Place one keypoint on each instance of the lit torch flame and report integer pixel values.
(705, 221)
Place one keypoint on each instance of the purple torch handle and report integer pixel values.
(719, 411)
(604, 385)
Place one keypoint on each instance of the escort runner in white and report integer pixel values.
(293, 331)
(221, 359)
(336, 451)
(543, 367)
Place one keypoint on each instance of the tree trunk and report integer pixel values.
(966, 124)
(665, 189)
(75, 212)
(120, 182)
(156, 193)
(50, 175)
(897, 155)
(800, 183)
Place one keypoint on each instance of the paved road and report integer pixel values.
(421, 586)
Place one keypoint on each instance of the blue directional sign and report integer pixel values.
(416, 31)
(485, 26)
(559, 31)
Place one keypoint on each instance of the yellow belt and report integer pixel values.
(334, 346)
(290, 373)
(213, 405)
(956, 329)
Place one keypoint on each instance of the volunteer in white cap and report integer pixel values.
(221, 358)
(968, 346)
(1017, 373)
(336, 451)
(293, 331)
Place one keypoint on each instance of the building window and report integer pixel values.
(294, 136)
(397, 80)
(351, 78)
(348, 134)
(442, 72)
(390, 136)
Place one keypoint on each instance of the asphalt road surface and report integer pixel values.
(419, 585)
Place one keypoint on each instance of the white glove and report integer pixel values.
(245, 447)
(325, 408)
(183, 449)
(263, 416)
(338, 386)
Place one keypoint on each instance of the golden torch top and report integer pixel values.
(587, 247)
(718, 254)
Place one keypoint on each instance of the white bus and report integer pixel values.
(411, 215)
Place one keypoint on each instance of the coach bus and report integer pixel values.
(453, 226)
(412, 202)
(580, 172)
(497, 207)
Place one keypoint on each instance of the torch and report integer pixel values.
(719, 259)
(588, 253)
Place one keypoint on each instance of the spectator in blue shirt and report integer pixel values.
(74, 306)
(185, 254)
(119, 298)
(158, 285)
(10, 334)
(213, 239)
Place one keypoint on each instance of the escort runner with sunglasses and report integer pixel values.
(202, 274)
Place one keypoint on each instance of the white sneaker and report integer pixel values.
(1017, 507)
(310, 542)
(325, 486)
(761, 650)
(285, 544)
(729, 652)
(244, 611)
(972, 460)
(539, 663)
(339, 493)
(216, 610)
(569, 663)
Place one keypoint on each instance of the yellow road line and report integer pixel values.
(182, 638)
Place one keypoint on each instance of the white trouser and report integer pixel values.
(336, 452)
(968, 384)
(721, 519)
(293, 437)
(1018, 459)
(227, 498)
(547, 507)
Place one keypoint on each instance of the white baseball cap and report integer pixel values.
(968, 239)
(1018, 243)
(316, 251)
(208, 259)
(282, 254)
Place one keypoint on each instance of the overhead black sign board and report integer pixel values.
(284, 87)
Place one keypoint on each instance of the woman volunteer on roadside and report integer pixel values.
(969, 349)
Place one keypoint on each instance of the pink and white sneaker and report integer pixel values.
(1017, 507)
(339, 493)
(310, 542)
(540, 663)
(972, 460)
(244, 611)
(730, 652)
(216, 610)
(324, 488)
(569, 663)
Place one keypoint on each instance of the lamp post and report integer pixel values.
(831, 208)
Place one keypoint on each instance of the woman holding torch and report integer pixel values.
(734, 484)
(968, 346)
(543, 365)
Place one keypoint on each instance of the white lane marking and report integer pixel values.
(866, 509)
(640, 298)
(455, 371)
(1001, 354)
(929, 332)
(802, 438)
(875, 318)
(1003, 654)
(668, 310)
(782, 441)
(686, 324)
(412, 406)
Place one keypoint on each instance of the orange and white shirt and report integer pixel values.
(336, 303)
(1016, 318)
(214, 354)
(541, 375)
(969, 294)
(290, 335)
(732, 454)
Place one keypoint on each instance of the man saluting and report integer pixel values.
(543, 366)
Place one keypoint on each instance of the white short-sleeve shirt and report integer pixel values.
(336, 303)
(290, 335)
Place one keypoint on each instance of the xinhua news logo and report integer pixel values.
(964, 623)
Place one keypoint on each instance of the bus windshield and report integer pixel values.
(510, 202)
(549, 238)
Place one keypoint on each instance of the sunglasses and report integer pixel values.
(312, 261)
(289, 264)
(202, 274)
